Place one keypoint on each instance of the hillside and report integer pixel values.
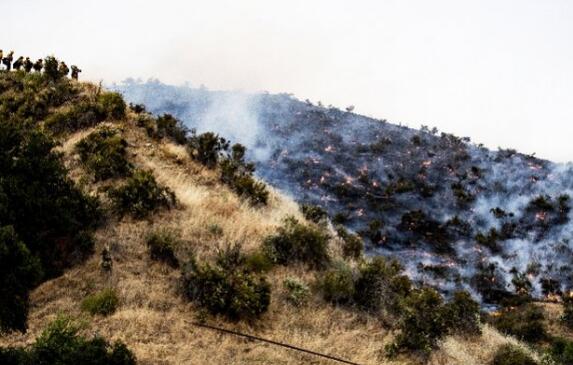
(451, 211)
(307, 284)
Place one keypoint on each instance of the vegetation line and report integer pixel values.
(224, 330)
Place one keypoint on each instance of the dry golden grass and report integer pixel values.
(156, 322)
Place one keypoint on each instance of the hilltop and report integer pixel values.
(145, 228)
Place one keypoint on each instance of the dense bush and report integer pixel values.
(168, 126)
(425, 319)
(83, 114)
(247, 187)
(524, 322)
(561, 351)
(19, 271)
(381, 285)
(60, 344)
(314, 213)
(207, 148)
(297, 293)
(238, 175)
(258, 261)
(463, 314)
(104, 153)
(232, 291)
(49, 215)
(31, 96)
(352, 245)
(161, 245)
(112, 104)
(509, 354)
(337, 284)
(296, 242)
(422, 324)
(141, 195)
(103, 303)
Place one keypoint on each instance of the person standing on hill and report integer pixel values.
(18, 63)
(39, 65)
(7, 61)
(1, 55)
(28, 65)
(63, 69)
(75, 72)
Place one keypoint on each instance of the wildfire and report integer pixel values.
(534, 167)
(540, 216)
(427, 163)
(553, 297)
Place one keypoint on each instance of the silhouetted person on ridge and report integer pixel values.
(18, 63)
(75, 72)
(63, 69)
(1, 55)
(7, 61)
(28, 65)
(39, 65)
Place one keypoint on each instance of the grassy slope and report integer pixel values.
(155, 321)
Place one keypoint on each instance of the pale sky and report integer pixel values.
(499, 71)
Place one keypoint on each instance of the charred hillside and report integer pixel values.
(456, 214)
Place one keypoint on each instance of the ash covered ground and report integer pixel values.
(454, 213)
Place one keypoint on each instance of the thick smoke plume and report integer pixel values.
(455, 214)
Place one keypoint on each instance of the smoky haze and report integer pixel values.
(499, 72)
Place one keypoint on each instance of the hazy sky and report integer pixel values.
(499, 71)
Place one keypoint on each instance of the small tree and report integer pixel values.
(207, 148)
(19, 271)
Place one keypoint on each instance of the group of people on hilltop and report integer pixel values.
(27, 65)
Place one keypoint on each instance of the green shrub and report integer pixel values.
(161, 245)
(238, 175)
(337, 284)
(50, 216)
(381, 286)
(60, 344)
(561, 351)
(168, 126)
(141, 195)
(524, 322)
(297, 293)
(234, 293)
(352, 245)
(509, 354)
(104, 153)
(254, 191)
(314, 213)
(19, 272)
(258, 261)
(463, 314)
(295, 242)
(82, 115)
(103, 303)
(423, 323)
(112, 105)
(207, 148)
